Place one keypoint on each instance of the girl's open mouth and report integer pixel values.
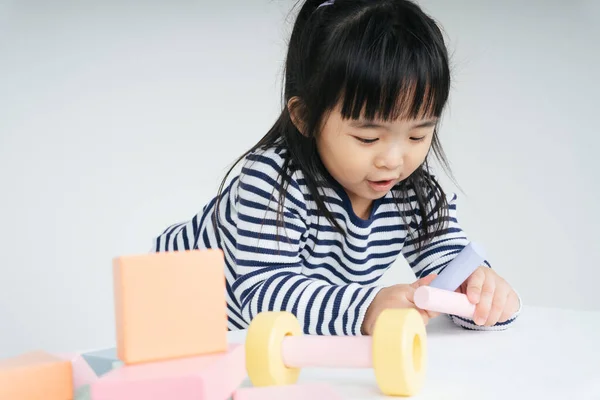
(381, 185)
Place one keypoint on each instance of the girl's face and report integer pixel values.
(369, 157)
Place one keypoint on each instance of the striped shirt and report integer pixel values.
(307, 268)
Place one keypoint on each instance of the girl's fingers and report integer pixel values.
(423, 281)
(498, 305)
(425, 315)
(512, 306)
(486, 298)
(475, 285)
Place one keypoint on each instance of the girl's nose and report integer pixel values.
(392, 159)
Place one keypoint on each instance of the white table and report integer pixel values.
(548, 354)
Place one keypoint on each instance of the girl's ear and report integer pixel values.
(296, 109)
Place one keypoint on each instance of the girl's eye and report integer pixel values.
(367, 141)
(418, 139)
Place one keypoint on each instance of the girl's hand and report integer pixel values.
(396, 296)
(495, 300)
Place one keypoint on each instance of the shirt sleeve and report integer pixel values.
(439, 252)
(269, 260)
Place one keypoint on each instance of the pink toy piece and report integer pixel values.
(444, 301)
(312, 391)
(83, 374)
(209, 377)
(327, 351)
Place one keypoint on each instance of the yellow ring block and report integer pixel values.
(400, 352)
(264, 361)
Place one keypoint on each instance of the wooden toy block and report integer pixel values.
(83, 374)
(208, 377)
(36, 375)
(103, 361)
(311, 391)
(170, 305)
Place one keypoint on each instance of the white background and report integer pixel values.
(119, 118)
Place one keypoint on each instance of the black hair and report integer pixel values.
(381, 59)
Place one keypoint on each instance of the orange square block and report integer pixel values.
(36, 375)
(170, 305)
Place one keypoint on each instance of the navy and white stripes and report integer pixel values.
(305, 266)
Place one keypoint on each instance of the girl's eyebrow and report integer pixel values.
(426, 124)
(375, 124)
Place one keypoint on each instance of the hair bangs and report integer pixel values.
(389, 74)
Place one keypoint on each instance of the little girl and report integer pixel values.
(339, 187)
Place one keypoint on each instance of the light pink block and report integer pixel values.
(444, 301)
(327, 351)
(83, 374)
(309, 391)
(209, 377)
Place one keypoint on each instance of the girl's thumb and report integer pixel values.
(426, 280)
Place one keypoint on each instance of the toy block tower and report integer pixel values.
(171, 329)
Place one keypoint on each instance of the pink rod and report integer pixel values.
(327, 351)
(443, 301)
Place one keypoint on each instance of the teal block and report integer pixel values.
(103, 361)
(83, 393)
